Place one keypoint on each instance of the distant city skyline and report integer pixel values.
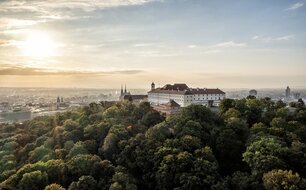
(103, 44)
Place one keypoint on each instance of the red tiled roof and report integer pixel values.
(183, 89)
(179, 87)
(158, 90)
(206, 91)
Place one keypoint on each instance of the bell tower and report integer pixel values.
(152, 86)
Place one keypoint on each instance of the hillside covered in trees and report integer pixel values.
(251, 144)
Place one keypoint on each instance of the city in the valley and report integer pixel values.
(21, 104)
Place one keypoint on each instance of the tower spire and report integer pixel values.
(121, 89)
(125, 88)
(152, 86)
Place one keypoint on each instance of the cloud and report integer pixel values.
(85, 5)
(295, 6)
(274, 39)
(150, 53)
(230, 44)
(143, 44)
(14, 31)
(7, 69)
(41, 11)
(93, 4)
(214, 49)
(285, 38)
(125, 72)
(8, 23)
(6, 43)
(255, 37)
(3, 42)
(192, 46)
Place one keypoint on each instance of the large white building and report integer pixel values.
(184, 96)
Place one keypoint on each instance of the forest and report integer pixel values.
(250, 144)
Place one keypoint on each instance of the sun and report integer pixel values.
(38, 45)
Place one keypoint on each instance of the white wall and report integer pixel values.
(185, 100)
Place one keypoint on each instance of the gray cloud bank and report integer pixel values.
(6, 69)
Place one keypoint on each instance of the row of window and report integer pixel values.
(182, 100)
(188, 96)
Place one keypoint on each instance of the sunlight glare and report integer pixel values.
(38, 45)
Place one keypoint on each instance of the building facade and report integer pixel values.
(168, 109)
(185, 96)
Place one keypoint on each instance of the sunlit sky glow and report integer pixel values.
(204, 43)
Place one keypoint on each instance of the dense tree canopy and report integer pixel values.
(250, 144)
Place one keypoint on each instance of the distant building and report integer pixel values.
(169, 108)
(288, 92)
(184, 96)
(58, 100)
(4, 107)
(60, 104)
(136, 98)
(123, 93)
(296, 95)
(253, 92)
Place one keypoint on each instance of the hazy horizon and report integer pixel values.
(103, 44)
(147, 88)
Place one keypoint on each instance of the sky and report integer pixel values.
(106, 43)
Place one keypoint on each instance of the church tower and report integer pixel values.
(123, 92)
(288, 93)
(152, 86)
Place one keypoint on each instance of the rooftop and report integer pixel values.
(183, 89)
(134, 97)
(172, 103)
